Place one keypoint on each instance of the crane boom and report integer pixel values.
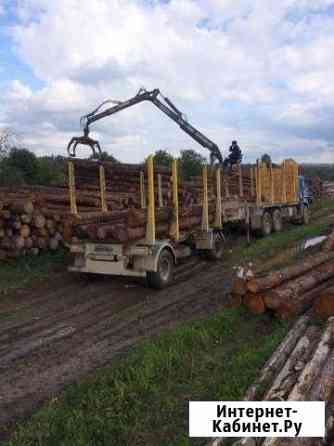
(166, 107)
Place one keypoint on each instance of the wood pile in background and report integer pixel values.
(327, 189)
(301, 369)
(292, 290)
(28, 225)
(314, 185)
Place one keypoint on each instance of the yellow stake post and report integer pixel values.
(71, 184)
(160, 196)
(104, 206)
(271, 183)
(142, 191)
(174, 231)
(219, 220)
(285, 198)
(258, 184)
(297, 181)
(205, 215)
(150, 229)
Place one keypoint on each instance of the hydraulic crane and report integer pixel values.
(165, 105)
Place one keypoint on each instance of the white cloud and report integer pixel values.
(257, 70)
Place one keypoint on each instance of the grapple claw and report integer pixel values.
(85, 141)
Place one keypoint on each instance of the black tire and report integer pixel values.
(277, 221)
(267, 224)
(165, 274)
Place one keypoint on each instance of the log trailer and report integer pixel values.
(260, 197)
(264, 199)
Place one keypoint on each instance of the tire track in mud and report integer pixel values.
(40, 357)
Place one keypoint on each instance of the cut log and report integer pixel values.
(16, 224)
(311, 370)
(42, 243)
(28, 243)
(25, 231)
(22, 207)
(278, 359)
(329, 244)
(26, 218)
(18, 242)
(274, 279)
(5, 214)
(34, 251)
(255, 303)
(58, 236)
(50, 223)
(287, 377)
(302, 302)
(38, 221)
(53, 244)
(324, 305)
(323, 386)
(9, 232)
(291, 290)
(6, 242)
(239, 286)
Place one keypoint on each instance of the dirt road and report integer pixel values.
(65, 328)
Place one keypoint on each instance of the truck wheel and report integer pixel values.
(267, 224)
(164, 276)
(277, 221)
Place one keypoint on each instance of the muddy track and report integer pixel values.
(59, 332)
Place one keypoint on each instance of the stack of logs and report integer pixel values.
(301, 369)
(27, 226)
(315, 186)
(291, 290)
(126, 216)
(328, 189)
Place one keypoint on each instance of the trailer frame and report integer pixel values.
(151, 257)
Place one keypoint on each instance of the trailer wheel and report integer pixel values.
(164, 276)
(267, 224)
(277, 221)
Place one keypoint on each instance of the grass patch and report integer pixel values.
(23, 271)
(143, 399)
(322, 206)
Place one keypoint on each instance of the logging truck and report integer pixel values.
(169, 218)
(173, 218)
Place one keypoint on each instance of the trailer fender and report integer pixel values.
(150, 262)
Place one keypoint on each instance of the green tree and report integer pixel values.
(163, 158)
(105, 156)
(191, 163)
(24, 163)
(51, 170)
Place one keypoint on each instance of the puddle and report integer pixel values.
(290, 253)
(314, 241)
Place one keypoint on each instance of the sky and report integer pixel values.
(258, 71)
